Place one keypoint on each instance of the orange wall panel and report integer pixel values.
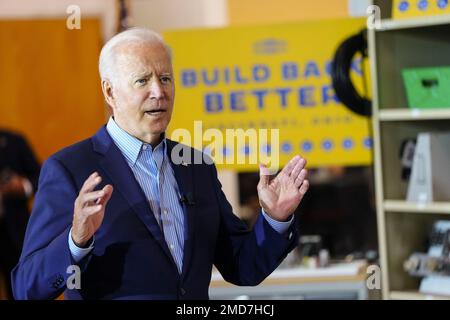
(49, 84)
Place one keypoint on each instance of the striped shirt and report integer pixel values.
(152, 170)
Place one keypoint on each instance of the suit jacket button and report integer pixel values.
(182, 291)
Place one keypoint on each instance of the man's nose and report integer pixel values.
(156, 90)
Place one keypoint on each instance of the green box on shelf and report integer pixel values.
(427, 87)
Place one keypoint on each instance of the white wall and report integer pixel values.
(44, 9)
(162, 15)
(358, 8)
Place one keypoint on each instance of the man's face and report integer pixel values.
(143, 91)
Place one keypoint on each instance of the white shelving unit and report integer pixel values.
(413, 114)
(390, 24)
(417, 207)
(403, 226)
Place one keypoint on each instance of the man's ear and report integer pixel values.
(107, 89)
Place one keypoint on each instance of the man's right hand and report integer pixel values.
(89, 210)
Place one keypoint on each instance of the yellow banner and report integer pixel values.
(417, 8)
(273, 77)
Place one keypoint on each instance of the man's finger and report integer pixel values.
(264, 175)
(91, 196)
(304, 187)
(301, 178)
(107, 193)
(298, 168)
(90, 183)
(287, 170)
(89, 179)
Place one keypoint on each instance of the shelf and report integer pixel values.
(416, 207)
(403, 226)
(413, 114)
(397, 24)
(414, 295)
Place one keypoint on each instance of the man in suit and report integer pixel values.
(138, 223)
(19, 172)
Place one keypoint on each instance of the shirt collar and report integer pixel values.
(129, 145)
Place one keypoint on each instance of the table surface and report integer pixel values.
(343, 280)
(352, 271)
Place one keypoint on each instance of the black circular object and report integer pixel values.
(340, 74)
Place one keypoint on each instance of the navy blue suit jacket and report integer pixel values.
(130, 259)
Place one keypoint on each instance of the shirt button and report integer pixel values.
(144, 147)
(165, 211)
(172, 246)
(182, 291)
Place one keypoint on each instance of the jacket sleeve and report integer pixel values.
(42, 271)
(246, 257)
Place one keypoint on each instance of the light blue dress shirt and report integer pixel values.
(154, 173)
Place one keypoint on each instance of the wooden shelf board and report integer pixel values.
(416, 207)
(398, 24)
(413, 114)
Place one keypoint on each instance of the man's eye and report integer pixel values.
(166, 80)
(141, 81)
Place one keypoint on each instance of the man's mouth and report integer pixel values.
(155, 112)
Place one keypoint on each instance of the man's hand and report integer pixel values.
(280, 196)
(14, 186)
(89, 210)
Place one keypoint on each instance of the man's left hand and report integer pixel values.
(280, 196)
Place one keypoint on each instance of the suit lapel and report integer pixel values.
(184, 174)
(122, 178)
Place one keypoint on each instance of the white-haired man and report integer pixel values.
(136, 224)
